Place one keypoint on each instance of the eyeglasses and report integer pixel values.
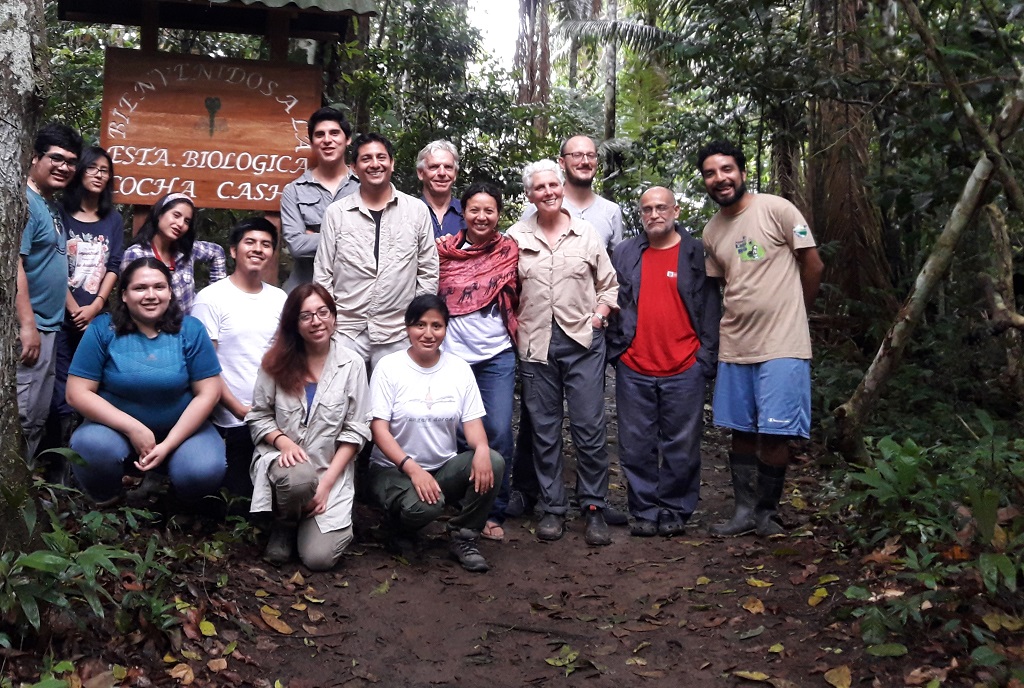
(57, 159)
(648, 210)
(577, 156)
(322, 313)
(97, 171)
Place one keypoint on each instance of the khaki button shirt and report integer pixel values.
(565, 282)
(372, 295)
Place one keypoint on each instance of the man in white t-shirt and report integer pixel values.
(241, 314)
(760, 248)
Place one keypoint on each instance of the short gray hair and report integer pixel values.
(541, 166)
(441, 145)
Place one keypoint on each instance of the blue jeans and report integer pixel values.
(196, 468)
(496, 378)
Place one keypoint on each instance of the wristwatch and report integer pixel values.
(603, 319)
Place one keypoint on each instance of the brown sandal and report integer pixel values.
(493, 531)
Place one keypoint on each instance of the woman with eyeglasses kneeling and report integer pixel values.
(418, 400)
(308, 422)
(146, 379)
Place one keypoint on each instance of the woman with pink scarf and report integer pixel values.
(480, 285)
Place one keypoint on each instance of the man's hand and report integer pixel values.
(426, 486)
(482, 473)
(31, 344)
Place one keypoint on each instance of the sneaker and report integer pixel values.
(463, 549)
(596, 532)
(281, 546)
(615, 517)
(518, 505)
(643, 527)
(670, 523)
(551, 527)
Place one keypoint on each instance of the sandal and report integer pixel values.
(493, 531)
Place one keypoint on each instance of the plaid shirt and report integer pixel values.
(183, 280)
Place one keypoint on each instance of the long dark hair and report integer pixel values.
(122, 319)
(149, 229)
(286, 360)
(75, 192)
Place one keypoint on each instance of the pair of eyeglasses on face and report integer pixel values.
(321, 314)
(648, 210)
(57, 159)
(97, 171)
(578, 155)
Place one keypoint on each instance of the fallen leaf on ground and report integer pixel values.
(776, 649)
(207, 628)
(758, 583)
(752, 675)
(297, 579)
(838, 677)
(817, 597)
(754, 605)
(275, 622)
(566, 656)
(828, 578)
(703, 580)
(887, 650)
(184, 674)
(803, 575)
(924, 675)
(752, 633)
(381, 589)
(219, 664)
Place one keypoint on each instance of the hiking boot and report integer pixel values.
(281, 546)
(596, 532)
(615, 517)
(464, 550)
(670, 523)
(551, 527)
(643, 527)
(518, 505)
(744, 472)
(770, 482)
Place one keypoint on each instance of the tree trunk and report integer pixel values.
(611, 51)
(1002, 300)
(23, 50)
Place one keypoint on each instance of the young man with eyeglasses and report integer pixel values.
(241, 314)
(42, 278)
(664, 341)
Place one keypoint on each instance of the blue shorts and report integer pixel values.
(769, 398)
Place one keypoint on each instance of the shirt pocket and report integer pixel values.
(310, 200)
(576, 265)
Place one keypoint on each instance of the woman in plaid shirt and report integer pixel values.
(169, 235)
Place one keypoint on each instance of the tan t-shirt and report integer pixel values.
(763, 307)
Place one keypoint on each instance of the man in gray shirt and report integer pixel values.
(578, 159)
(305, 200)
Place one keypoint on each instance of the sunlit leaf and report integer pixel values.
(754, 605)
(207, 628)
(183, 673)
(752, 675)
(758, 583)
(838, 677)
(703, 580)
(776, 649)
(828, 578)
(817, 597)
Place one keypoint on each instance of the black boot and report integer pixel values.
(770, 480)
(281, 546)
(744, 472)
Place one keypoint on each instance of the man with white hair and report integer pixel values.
(437, 167)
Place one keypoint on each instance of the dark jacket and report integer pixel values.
(700, 295)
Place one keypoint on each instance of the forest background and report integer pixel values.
(892, 125)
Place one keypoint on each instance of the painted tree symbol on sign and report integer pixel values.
(212, 106)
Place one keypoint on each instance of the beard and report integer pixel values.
(738, 193)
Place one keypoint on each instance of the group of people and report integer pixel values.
(399, 338)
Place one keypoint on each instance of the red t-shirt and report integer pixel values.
(665, 343)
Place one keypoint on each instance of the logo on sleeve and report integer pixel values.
(749, 250)
(802, 231)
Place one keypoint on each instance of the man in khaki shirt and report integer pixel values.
(376, 254)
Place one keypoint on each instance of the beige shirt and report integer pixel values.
(764, 317)
(566, 282)
(372, 295)
(339, 413)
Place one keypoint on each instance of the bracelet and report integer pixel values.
(274, 443)
(402, 462)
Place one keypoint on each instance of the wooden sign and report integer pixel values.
(229, 133)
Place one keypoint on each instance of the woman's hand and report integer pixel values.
(142, 439)
(482, 473)
(153, 458)
(291, 453)
(318, 504)
(426, 486)
(86, 314)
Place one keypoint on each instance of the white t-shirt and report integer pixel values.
(424, 406)
(477, 336)
(242, 325)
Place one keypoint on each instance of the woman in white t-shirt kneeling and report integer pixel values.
(418, 400)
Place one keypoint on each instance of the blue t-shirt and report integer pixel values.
(44, 253)
(149, 379)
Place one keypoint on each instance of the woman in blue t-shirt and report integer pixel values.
(146, 379)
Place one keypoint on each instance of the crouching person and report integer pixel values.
(419, 399)
(308, 421)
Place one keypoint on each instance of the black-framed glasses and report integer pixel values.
(97, 171)
(579, 155)
(322, 313)
(57, 159)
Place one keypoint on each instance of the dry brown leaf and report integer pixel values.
(215, 665)
(315, 615)
(923, 675)
(839, 677)
(104, 679)
(182, 672)
(754, 605)
(802, 576)
(297, 579)
(275, 622)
